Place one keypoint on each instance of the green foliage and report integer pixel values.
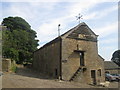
(13, 67)
(13, 23)
(116, 57)
(18, 40)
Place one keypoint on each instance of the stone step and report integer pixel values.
(76, 73)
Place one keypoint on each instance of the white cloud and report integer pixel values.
(108, 29)
(108, 44)
(27, 10)
(101, 14)
(80, 7)
(42, 5)
(58, 0)
(29, 0)
(31, 12)
(84, 6)
(46, 27)
(109, 41)
(50, 30)
(107, 52)
(19, 10)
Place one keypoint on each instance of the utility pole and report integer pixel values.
(79, 17)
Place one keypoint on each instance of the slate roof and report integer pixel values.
(101, 57)
(81, 28)
(110, 65)
(85, 31)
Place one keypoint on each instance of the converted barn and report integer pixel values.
(73, 57)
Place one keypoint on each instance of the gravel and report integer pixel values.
(27, 78)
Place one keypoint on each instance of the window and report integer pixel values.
(77, 47)
(99, 72)
(92, 73)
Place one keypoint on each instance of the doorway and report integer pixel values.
(81, 58)
(93, 76)
(56, 73)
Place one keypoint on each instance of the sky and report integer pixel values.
(44, 16)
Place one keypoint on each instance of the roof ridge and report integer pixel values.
(69, 31)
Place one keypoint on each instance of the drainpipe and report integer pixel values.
(60, 60)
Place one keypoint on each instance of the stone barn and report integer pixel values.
(72, 57)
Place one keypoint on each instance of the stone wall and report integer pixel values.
(79, 39)
(113, 71)
(47, 60)
(100, 65)
(91, 59)
(6, 65)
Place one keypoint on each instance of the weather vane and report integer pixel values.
(79, 17)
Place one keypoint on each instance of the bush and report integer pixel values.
(13, 66)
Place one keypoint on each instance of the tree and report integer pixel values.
(19, 41)
(116, 57)
(13, 23)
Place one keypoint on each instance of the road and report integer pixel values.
(26, 78)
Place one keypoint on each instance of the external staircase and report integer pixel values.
(76, 73)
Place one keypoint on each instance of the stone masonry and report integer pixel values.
(73, 57)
